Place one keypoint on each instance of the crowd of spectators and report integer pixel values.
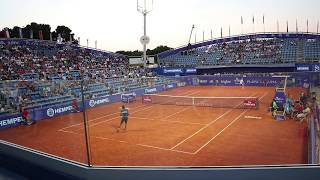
(44, 61)
(251, 51)
(48, 60)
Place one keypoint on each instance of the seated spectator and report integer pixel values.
(303, 115)
(274, 108)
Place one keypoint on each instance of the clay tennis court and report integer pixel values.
(170, 135)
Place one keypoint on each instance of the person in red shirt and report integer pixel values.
(25, 116)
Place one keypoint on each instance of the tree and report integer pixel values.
(35, 28)
(64, 31)
(152, 52)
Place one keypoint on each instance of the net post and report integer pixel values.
(193, 101)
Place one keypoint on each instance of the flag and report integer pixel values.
(20, 33)
(40, 35)
(263, 18)
(287, 27)
(241, 20)
(31, 34)
(7, 33)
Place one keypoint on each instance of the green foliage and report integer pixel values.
(154, 51)
(35, 28)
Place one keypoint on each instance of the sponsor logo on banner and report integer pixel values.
(93, 103)
(225, 82)
(10, 121)
(203, 81)
(191, 70)
(172, 71)
(170, 86)
(147, 99)
(181, 84)
(152, 90)
(51, 112)
(280, 99)
(128, 97)
(252, 103)
(316, 68)
(303, 68)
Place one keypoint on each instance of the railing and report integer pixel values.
(314, 134)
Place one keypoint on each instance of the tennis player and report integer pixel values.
(242, 83)
(124, 113)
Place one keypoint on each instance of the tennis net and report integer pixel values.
(217, 102)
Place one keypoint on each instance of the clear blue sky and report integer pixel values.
(117, 25)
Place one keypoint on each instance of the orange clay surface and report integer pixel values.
(169, 135)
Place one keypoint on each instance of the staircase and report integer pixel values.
(300, 52)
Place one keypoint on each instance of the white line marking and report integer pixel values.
(142, 109)
(155, 147)
(220, 131)
(252, 117)
(204, 127)
(143, 145)
(181, 122)
(98, 118)
(201, 129)
(118, 112)
(226, 126)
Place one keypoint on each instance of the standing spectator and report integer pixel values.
(303, 99)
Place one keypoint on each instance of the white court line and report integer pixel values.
(204, 127)
(143, 145)
(181, 122)
(111, 115)
(166, 149)
(201, 129)
(139, 111)
(220, 131)
(142, 109)
(237, 118)
(97, 118)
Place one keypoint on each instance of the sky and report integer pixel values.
(117, 25)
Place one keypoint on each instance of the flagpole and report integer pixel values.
(253, 24)
(307, 26)
(278, 26)
(211, 34)
(241, 25)
(202, 36)
(318, 27)
(264, 27)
